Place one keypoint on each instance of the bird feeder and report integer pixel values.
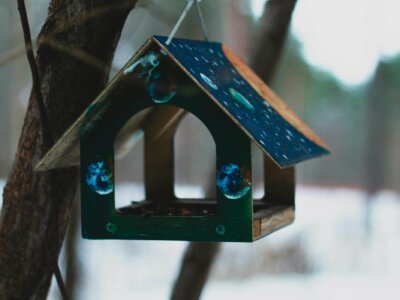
(209, 81)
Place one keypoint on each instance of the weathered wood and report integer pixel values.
(36, 206)
(272, 219)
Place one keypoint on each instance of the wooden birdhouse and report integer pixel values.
(209, 81)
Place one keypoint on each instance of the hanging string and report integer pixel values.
(202, 22)
(183, 16)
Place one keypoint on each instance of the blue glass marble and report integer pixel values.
(232, 182)
(99, 177)
(161, 86)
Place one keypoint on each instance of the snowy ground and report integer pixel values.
(343, 262)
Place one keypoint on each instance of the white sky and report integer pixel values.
(345, 37)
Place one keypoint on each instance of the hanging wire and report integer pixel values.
(60, 282)
(42, 111)
(183, 16)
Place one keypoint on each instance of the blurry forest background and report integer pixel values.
(340, 72)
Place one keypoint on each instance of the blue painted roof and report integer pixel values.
(208, 64)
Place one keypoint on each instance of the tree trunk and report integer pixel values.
(271, 37)
(377, 135)
(72, 265)
(36, 206)
(199, 257)
(195, 269)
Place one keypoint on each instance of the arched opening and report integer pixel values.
(191, 162)
(190, 165)
(257, 170)
(194, 160)
(129, 162)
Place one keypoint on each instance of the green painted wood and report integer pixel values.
(100, 219)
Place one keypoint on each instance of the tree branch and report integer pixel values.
(36, 206)
(196, 265)
(40, 104)
(34, 71)
(271, 37)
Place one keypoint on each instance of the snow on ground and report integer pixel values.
(346, 262)
(2, 183)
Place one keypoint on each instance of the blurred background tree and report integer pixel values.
(359, 120)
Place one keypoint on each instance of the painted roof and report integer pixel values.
(247, 99)
(227, 80)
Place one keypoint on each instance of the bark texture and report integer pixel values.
(36, 206)
(199, 257)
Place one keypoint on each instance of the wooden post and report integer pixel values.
(159, 131)
(279, 184)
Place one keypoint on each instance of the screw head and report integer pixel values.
(111, 228)
(220, 229)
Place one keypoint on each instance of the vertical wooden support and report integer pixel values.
(159, 152)
(279, 196)
(279, 184)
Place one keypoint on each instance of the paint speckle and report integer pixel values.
(289, 132)
(239, 98)
(233, 182)
(99, 177)
(208, 81)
